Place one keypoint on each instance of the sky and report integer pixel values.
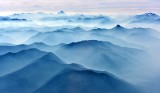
(81, 6)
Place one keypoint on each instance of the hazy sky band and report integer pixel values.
(84, 6)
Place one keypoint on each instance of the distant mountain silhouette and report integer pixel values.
(11, 62)
(60, 36)
(86, 81)
(11, 19)
(146, 18)
(16, 48)
(18, 36)
(98, 19)
(101, 55)
(136, 36)
(61, 12)
(34, 75)
(118, 28)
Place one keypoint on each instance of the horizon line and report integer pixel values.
(73, 13)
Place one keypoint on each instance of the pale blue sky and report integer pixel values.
(81, 6)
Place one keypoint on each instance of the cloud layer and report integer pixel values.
(85, 6)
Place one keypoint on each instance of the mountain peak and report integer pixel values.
(78, 29)
(118, 27)
(61, 12)
(150, 14)
(88, 43)
(51, 57)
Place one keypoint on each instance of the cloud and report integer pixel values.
(113, 6)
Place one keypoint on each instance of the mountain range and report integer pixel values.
(79, 53)
(9, 62)
(146, 18)
(49, 70)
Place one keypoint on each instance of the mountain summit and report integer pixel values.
(147, 17)
(118, 27)
(61, 12)
(151, 14)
